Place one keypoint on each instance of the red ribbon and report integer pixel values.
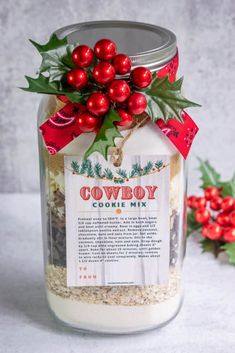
(180, 134)
(61, 128)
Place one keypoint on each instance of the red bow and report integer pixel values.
(61, 128)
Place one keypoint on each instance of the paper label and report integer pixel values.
(117, 221)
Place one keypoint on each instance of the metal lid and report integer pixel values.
(146, 44)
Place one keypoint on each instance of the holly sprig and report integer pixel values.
(213, 242)
(56, 62)
(210, 177)
(56, 57)
(164, 98)
(119, 175)
(105, 136)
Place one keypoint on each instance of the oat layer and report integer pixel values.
(115, 295)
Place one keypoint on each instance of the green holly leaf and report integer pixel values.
(192, 224)
(165, 100)
(230, 250)
(228, 187)
(209, 176)
(106, 135)
(207, 245)
(41, 84)
(212, 246)
(56, 57)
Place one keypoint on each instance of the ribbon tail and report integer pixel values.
(180, 134)
(61, 128)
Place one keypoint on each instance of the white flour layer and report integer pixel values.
(113, 318)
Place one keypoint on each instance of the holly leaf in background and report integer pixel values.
(106, 135)
(165, 100)
(228, 187)
(212, 246)
(207, 245)
(209, 176)
(56, 57)
(230, 250)
(42, 84)
(192, 225)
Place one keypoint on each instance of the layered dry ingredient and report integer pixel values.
(56, 229)
(113, 295)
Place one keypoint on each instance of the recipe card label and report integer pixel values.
(117, 221)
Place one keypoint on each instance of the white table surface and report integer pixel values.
(205, 324)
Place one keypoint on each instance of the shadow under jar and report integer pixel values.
(134, 254)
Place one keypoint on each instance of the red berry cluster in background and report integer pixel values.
(96, 70)
(215, 213)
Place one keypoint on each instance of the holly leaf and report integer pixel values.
(207, 245)
(42, 84)
(228, 187)
(212, 246)
(106, 135)
(165, 100)
(192, 225)
(56, 57)
(209, 176)
(230, 250)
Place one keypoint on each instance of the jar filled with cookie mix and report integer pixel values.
(113, 140)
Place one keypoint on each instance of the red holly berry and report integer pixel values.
(202, 215)
(82, 56)
(98, 103)
(215, 203)
(63, 99)
(104, 72)
(105, 49)
(118, 91)
(87, 122)
(229, 235)
(228, 204)
(223, 219)
(137, 103)
(141, 77)
(126, 118)
(190, 201)
(77, 78)
(204, 230)
(232, 218)
(213, 231)
(200, 202)
(211, 192)
(122, 64)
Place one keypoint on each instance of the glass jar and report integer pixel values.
(135, 246)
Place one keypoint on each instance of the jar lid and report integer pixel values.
(146, 44)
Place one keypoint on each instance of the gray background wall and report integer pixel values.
(205, 31)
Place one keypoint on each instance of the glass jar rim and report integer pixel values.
(147, 45)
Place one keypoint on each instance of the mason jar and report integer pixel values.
(113, 262)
